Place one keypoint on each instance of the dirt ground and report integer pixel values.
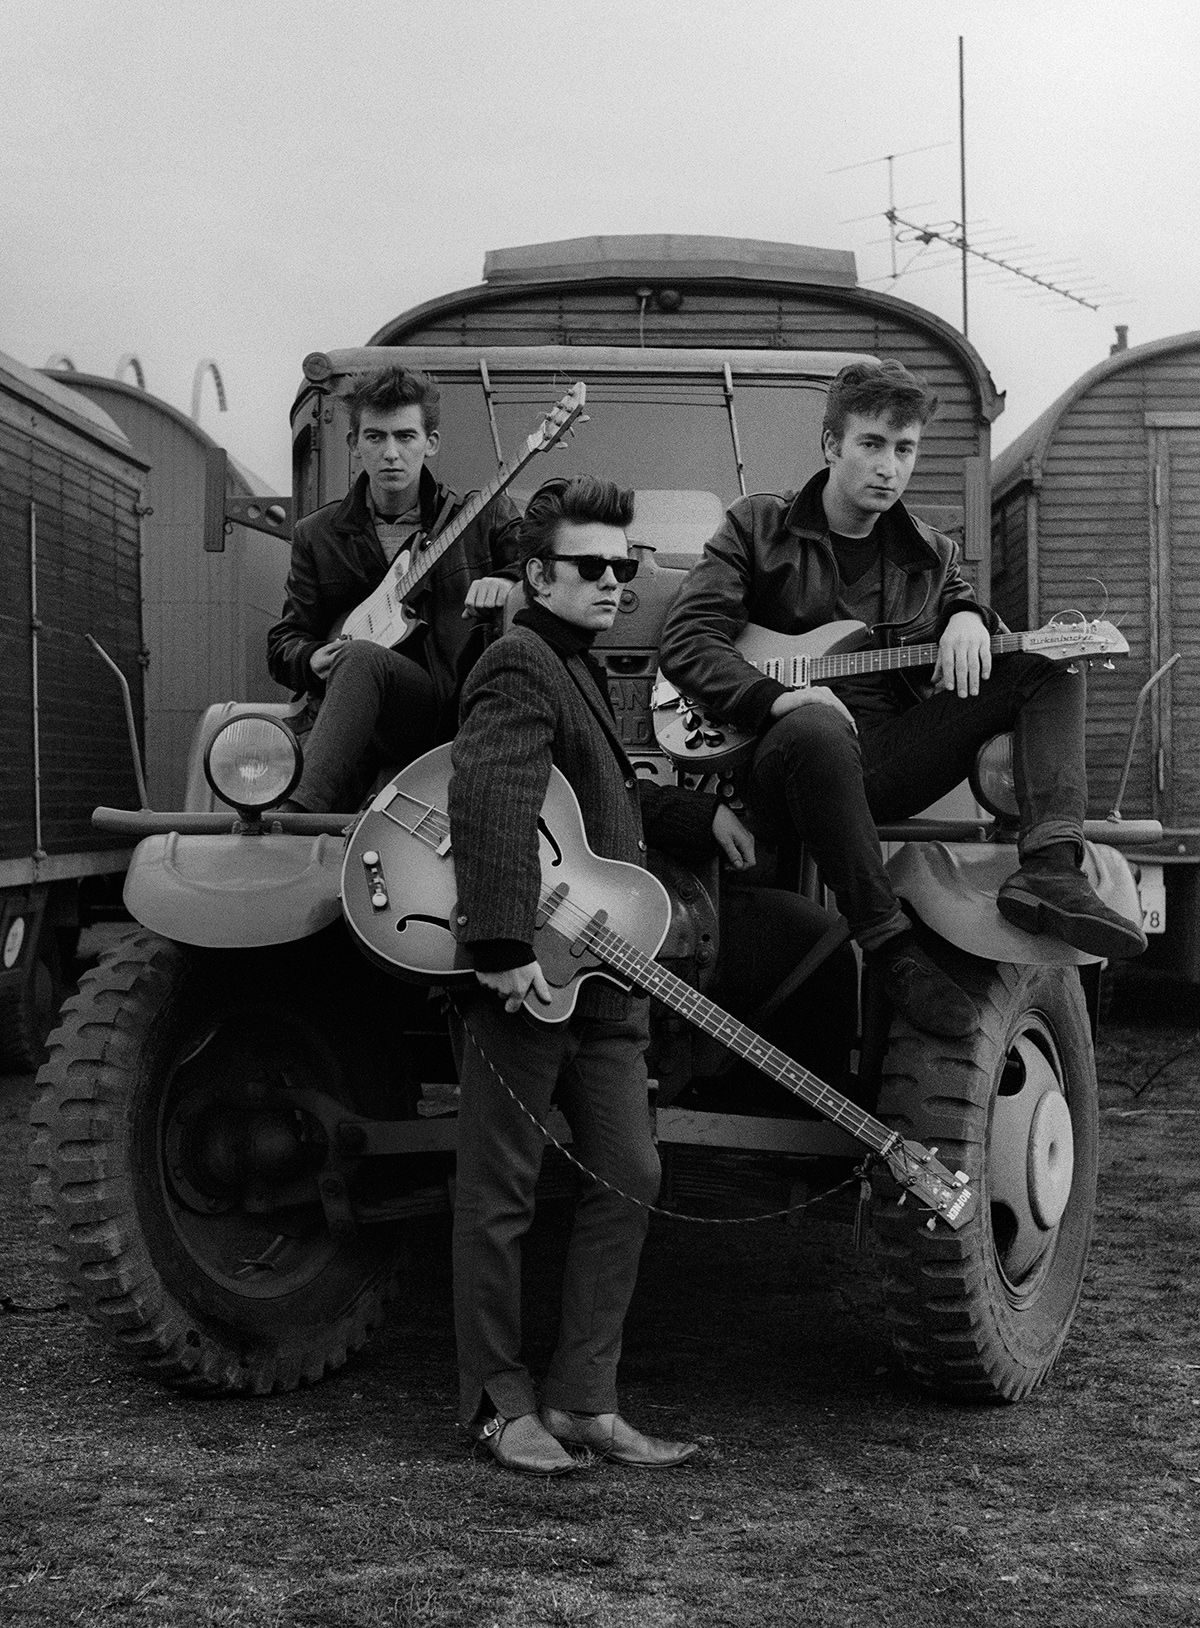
(830, 1491)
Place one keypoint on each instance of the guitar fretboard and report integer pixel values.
(798, 671)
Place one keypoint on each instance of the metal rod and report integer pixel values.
(1114, 812)
(130, 724)
(733, 430)
(962, 174)
(34, 627)
(491, 412)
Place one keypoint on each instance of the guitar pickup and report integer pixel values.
(549, 905)
(580, 946)
(376, 885)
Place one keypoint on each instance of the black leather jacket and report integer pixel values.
(337, 561)
(771, 563)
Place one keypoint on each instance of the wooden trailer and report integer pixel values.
(205, 613)
(1097, 506)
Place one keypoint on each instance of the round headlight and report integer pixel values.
(252, 762)
(992, 778)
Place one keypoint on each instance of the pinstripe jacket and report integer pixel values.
(524, 707)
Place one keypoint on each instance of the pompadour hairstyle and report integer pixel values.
(392, 388)
(877, 389)
(579, 500)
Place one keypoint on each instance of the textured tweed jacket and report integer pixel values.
(524, 707)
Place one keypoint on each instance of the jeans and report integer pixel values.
(379, 708)
(812, 771)
(594, 1070)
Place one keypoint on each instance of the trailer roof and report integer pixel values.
(53, 395)
(1030, 447)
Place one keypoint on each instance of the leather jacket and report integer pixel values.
(771, 563)
(337, 561)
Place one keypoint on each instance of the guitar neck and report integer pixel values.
(375, 618)
(848, 663)
(648, 974)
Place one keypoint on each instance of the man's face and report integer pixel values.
(393, 446)
(590, 605)
(871, 465)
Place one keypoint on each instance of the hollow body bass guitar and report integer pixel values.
(695, 739)
(596, 917)
(384, 617)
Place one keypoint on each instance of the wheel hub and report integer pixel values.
(1031, 1159)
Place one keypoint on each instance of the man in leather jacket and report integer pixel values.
(832, 760)
(368, 705)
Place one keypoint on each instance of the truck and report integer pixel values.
(241, 1117)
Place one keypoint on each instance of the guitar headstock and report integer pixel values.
(946, 1192)
(559, 421)
(1077, 640)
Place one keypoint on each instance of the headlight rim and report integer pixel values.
(255, 810)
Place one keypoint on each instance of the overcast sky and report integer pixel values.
(249, 180)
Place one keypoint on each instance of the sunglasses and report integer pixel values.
(591, 567)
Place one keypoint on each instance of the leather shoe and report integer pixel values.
(608, 1436)
(921, 992)
(1064, 904)
(522, 1444)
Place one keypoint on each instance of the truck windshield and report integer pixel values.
(650, 433)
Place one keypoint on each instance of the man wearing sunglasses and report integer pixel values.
(536, 698)
(833, 759)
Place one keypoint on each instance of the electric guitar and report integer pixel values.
(596, 917)
(694, 739)
(383, 617)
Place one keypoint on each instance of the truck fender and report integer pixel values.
(952, 887)
(234, 891)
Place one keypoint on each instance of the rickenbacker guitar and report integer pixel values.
(695, 739)
(596, 917)
(384, 617)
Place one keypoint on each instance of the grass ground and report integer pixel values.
(829, 1492)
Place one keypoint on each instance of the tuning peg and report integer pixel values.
(1071, 667)
(1108, 666)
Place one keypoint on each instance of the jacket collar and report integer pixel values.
(354, 514)
(901, 537)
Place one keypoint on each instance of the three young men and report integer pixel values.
(367, 705)
(832, 760)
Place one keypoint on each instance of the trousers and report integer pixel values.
(594, 1069)
(379, 707)
(813, 771)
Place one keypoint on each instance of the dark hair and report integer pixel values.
(392, 388)
(874, 389)
(579, 500)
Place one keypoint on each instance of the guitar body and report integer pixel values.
(695, 739)
(412, 931)
(396, 623)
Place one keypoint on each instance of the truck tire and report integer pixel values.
(28, 1010)
(982, 1313)
(148, 1212)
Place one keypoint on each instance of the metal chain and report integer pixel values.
(859, 1177)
